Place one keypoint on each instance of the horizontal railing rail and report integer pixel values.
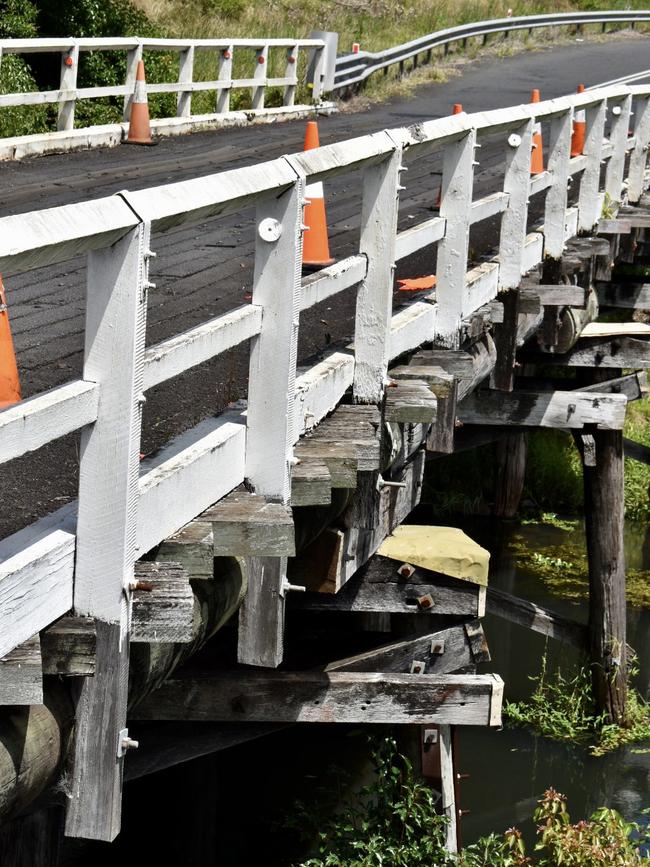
(83, 555)
(352, 69)
(257, 58)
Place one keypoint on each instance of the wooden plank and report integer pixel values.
(634, 296)
(329, 281)
(633, 386)
(339, 458)
(639, 156)
(332, 697)
(562, 295)
(33, 422)
(615, 352)
(619, 109)
(636, 451)
(516, 184)
(412, 327)
(557, 409)
(455, 207)
(355, 425)
(454, 362)
(441, 652)
(502, 375)
(193, 548)
(107, 526)
(68, 647)
(558, 156)
(614, 227)
(416, 237)
(484, 356)
(423, 593)
(410, 402)
(196, 345)
(379, 208)
(589, 197)
(448, 786)
(248, 525)
(21, 674)
(163, 604)
(535, 617)
(311, 483)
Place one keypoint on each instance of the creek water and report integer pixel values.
(510, 769)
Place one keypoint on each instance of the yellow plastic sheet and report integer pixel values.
(440, 549)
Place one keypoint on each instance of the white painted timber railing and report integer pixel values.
(83, 555)
(260, 55)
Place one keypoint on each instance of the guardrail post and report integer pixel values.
(455, 205)
(590, 200)
(291, 71)
(260, 75)
(270, 415)
(185, 76)
(379, 210)
(513, 222)
(107, 525)
(225, 75)
(639, 157)
(559, 154)
(315, 73)
(620, 123)
(68, 82)
(133, 57)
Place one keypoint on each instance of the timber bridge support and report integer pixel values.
(104, 603)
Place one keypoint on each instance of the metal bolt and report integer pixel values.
(148, 285)
(288, 587)
(146, 586)
(438, 647)
(69, 61)
(261, 59)
(430, 736)
(406, 570)
(124, 743)
(425, 602)
(418, 667)
(383, 483)
(227, 55)
(150, 254)
(269, 230)
(291, 59)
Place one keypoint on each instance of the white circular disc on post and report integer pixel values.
(269, 229)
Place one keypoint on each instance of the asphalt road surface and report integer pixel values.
(205, 270)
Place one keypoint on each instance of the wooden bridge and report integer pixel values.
(299, 487)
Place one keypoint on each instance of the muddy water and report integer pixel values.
(509, 769)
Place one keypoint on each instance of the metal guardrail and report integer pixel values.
(352, 69)
(259, 80)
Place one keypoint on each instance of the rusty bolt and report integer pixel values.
(261, 59)
(291, 58)
(425, 602)
(418, 667)
(146, 586)
(69, 61)
(227, 54)
(406, 570)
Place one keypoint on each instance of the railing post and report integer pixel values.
(270, 417)
(375, 295)
(620, 123)
(225, 74)
(69, 66)
(455, 205)
(516, 184)
(133, 57)
(185, 76)
(291, 71)
(590, 200)
(260, 75)
(107, 525)
(559, 154)
(639, 156)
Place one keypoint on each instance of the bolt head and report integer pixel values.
(514, 140)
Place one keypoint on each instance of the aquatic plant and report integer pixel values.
(561, 707)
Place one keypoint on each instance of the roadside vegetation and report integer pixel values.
(393, 821)
(375, 24)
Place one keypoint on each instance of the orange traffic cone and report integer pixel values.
(315, 244)
(139, 126)
(579, 127)
(537, 155)
(9, 381)
(457, 109)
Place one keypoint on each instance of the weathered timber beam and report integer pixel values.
(557, 409)
(614, 227)
(246, 524)
(332, 697)
(163, 604)
(532, 616)
(634, 296)
(339, 458)
(358, 426)
(619, 352)
(21, 674)
(440, 652)
(68, 647)
(633, 386)
(192, 547)
(311, 483)
(423, 593)
(636, 451)
(410, 402)
(561, 295)
(484, 357)
(456, 362)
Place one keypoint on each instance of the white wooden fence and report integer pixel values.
(83, 555)
(256, 52)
